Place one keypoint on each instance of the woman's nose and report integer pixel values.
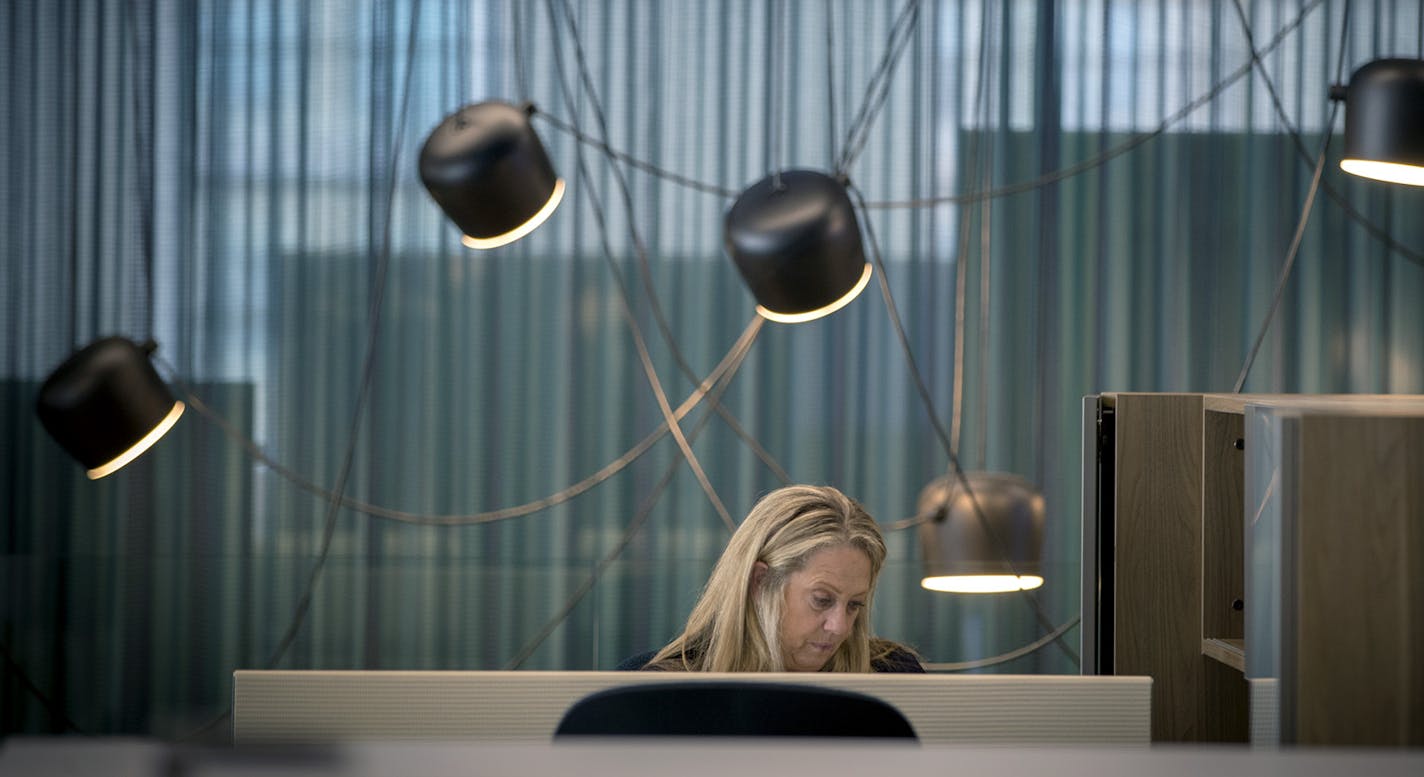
(837, 621)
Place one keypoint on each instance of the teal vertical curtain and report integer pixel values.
(237, 181)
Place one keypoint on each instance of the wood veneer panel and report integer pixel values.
(1157, 601)
(1360, 634)
(1223, 497)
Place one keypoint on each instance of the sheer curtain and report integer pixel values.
(237, 181)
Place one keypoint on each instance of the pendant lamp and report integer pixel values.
(794, 238)
(1384, 121)
(105, 405)
(960, 553)
(486, 169)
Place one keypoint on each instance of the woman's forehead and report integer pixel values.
(844, 567)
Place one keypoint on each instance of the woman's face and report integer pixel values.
(823, 600)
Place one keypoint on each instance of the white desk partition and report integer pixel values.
(309, 706)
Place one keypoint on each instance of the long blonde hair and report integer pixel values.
(733, 626)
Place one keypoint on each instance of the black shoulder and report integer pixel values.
(898, 660)
(634, 663)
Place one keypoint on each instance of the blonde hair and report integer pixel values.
(733, 626)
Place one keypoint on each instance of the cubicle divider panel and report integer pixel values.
(313, 707)
(1360, 581)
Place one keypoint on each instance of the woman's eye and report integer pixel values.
(821, 603)
(856, 606)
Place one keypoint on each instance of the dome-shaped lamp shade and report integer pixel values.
(1384, 122)
(105, 405)
(797, 245)
(959, 555)
(487, 170)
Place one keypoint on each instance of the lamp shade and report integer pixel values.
(105, 405)
(796, 242)
(960, 555)
(1384, 121)
(486, 169)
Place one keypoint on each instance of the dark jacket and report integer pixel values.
(898, 660)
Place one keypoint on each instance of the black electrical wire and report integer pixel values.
(55, 711)
(877, 90)
(640, 518)
(999, 547)
(1003, 658)
(726, 367)
(624, 299)
(1375, 231)
(1291, 253)
(367, 374)
(645, 272)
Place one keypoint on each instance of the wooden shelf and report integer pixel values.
(1231, 652)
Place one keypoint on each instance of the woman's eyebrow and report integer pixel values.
(834, 589)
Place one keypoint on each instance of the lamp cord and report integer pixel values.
(775, 54)
(726, 367)
(831, 80)
(878, 88)
(636, 163)
(367, 373)
(986, 213)
(625, 303)
(640, 249)
(55, 711)
(999, 547)
(1004, 658)
(961, 265)
(1048, 179)
(521, 75)
(1293, 251)
(640, 518)
(143, 160)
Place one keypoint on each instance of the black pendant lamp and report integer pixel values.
(1384, 121)
(794, 237)
(961, 554)
(485, 167)
(105, 405)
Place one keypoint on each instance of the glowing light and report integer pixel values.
(981, 584)
(139, 447)
(1392, 172)
(484, 243)
(797, 318)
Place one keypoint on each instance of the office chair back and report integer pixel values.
(732, 709)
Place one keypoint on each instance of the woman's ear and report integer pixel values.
(758, 575)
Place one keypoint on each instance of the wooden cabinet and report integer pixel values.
(1272, 538)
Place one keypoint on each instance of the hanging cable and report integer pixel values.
(1047, 179)
(645, 273)
(382, 257)
(1004, 658)
(831, 80)
(731, 361)
(143, 156)
(999, 549)
(961, 256)
(640, 518)
(1293, 251)
(776, 58)
(1350, 211)
(878, 88)
(56, 712)
(368, 366)
(635, 163)
(521, 74)
(625, 302)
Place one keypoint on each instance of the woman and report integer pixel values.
(791, 593)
